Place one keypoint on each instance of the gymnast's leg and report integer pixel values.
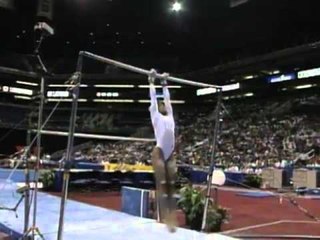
(159, 172)
(170, 170)
(164, 175)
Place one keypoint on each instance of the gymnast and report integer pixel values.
(163, 164)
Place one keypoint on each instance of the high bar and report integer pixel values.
(145, 72)
(96, 136)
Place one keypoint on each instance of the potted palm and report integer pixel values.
(217, 215)
(47, 179)
(253, 180)
(192, 203)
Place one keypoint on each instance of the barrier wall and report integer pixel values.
(135, 201)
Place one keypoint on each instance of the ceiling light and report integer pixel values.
(206, 91)
(177, 101)
(248, 94)
(5, 89)
(225, 88)
(65, 100)
(158, 86)
(176, 7)
(66, 85)
(230, 87)
(59, 100)
(113, 100)
(91, 34)
(27, 83)
(144, 101)
(113, 86)
(172, 101)
(22, 91)
(249, 77)
(22, 97)
(304, 86)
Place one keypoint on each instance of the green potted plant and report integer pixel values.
(192, 203)
(47, 179)
(253, 180)
(217, 215)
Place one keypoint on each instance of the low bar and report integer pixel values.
(96, 136)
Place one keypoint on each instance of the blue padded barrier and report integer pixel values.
(135, 201)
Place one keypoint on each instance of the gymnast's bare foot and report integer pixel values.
(171, 222)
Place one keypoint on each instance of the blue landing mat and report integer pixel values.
(87, 222)
(18, 175)
(256, 194)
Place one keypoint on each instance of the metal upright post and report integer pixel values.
(27, 181)
(212, 160)
(66, 172)
(33, 230)
(37, 167)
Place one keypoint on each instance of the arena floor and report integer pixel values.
(248, 215)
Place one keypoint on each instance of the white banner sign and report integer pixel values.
(309, 73)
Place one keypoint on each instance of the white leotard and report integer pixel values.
(163, 125)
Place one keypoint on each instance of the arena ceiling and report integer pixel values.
(204, 34)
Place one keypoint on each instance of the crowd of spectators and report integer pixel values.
(255, 134)
(252, 133)
(121, 152)
(95, 121)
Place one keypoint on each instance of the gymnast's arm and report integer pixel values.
(166, 95)
(154, 105)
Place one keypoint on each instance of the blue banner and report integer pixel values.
(282, 78)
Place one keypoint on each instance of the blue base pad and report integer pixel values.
(83, 221)
(256, 194)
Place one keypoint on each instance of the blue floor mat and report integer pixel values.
(313, 192)
(256, 194)
(83, 221)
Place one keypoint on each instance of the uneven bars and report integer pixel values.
(95, 136)
(145, 72)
